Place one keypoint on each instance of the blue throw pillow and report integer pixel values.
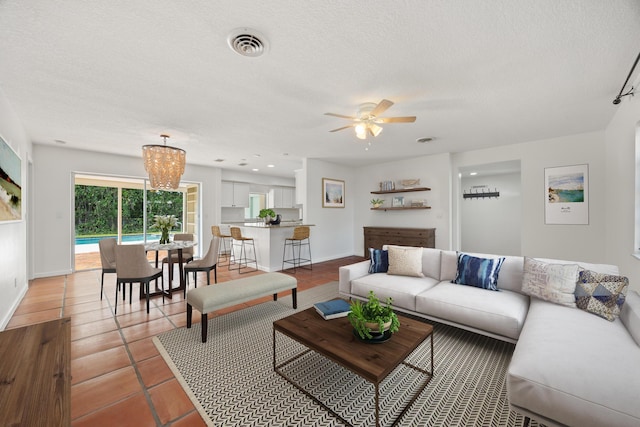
(478, 272)
(379, 261)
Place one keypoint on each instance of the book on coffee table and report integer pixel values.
(333, 309)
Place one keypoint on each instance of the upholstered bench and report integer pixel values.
(215, 297)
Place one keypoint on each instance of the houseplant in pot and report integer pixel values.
(267, 214)
(377, 202)
(371, 319)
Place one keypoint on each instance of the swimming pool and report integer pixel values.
(125, 238)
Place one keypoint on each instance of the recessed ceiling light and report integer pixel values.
(473, 173)
(255, 169)
(424, 139)
(256, 155)
(271, 166)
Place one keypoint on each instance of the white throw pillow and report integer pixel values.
(405, 261)
(551, 282)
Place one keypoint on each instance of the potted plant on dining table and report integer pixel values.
(164, 223)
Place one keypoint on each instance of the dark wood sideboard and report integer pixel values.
(35, 374)
(375, 237)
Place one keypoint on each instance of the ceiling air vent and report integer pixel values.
(247, 42)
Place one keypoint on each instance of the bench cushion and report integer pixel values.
(215, 297)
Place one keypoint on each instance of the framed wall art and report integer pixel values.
(332, 193)
(566, 195)
(10, 187)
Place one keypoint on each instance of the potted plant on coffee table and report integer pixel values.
(371, 319)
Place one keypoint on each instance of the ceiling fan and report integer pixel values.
(368, 120)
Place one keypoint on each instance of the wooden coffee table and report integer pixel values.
(334, 339)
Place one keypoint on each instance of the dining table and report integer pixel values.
(177, 246)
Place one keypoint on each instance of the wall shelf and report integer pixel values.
(403, 190)
(400, 208)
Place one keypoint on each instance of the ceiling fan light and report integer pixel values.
(375, 129)
(361, 131)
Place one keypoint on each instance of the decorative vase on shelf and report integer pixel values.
(164, 238)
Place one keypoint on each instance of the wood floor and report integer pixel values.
(118, 376)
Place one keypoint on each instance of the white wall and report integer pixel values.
(619, 189)
(433, 172)
(331, 236)
(13, 236)
(492, 225)
(54, 191)
(570, 242)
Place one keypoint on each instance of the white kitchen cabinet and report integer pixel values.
(281, 197)
(235, 194)
(288, 197)
(301, 187)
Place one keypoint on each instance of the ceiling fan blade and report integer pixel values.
(343, 127)
(396, 119)
(341, 116)
(381, 107)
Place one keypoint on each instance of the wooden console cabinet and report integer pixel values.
(375, 237)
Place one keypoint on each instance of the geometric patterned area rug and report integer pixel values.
(231, 380)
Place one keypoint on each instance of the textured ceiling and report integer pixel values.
(113, 75)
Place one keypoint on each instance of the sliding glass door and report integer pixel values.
(124, 208)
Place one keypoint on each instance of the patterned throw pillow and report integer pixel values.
(551, 282)
(405, 261)
(379, 261)
(601, 294)
(478, 272)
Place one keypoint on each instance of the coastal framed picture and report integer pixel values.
(10, 187)
(332, 193)
(566, 195)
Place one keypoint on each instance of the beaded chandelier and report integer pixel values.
(164, 164)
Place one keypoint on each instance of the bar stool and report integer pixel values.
(224, 252)
(300, 238)
(237, 240)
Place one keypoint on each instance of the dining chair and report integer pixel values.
(132, 266)
(207, 263)
(187, 253)
(107, 249)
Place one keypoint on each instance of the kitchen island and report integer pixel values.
(269, 241)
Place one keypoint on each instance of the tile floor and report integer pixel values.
(118, 376)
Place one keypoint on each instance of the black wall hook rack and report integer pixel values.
(483, 194)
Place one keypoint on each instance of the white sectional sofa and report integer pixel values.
(569, 368)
